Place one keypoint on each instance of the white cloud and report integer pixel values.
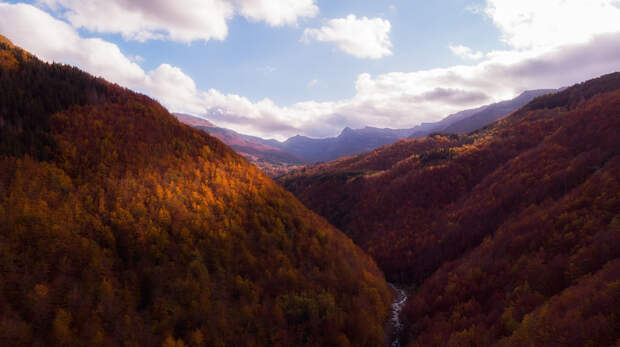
(313, 83)
(534, 24)
(362, 38)
(182, 20)
(279, 12)
(179, 20)
(397, 99)
(54, 40)
(465, 52)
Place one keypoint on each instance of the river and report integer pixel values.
(397, 307)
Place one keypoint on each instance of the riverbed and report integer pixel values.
(395, 322)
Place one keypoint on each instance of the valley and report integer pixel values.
(492, 226)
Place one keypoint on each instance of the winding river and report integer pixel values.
(397, 307)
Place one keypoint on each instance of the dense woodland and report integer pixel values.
(121, 226)
(509, 235)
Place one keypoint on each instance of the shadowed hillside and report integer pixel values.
(121, 226)
(499, 228)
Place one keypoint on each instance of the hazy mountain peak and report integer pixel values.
(346, 131)
(193, 120)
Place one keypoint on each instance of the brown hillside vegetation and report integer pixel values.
(500, 228)
(121, 226)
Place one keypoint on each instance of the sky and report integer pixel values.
(278, 68)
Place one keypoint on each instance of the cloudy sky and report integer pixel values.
(277, 68)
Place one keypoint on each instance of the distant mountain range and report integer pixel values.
(349, 142)
(469, 120)
(277, 157)
(260, 152)
(356, 141)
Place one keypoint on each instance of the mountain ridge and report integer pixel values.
(271, 159)
(355, 141)
(473, 119)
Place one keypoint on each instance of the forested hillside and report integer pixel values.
(499, 231)
(121, 226)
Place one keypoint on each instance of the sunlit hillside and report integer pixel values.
(121, 226)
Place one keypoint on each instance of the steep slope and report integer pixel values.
(497, 228)
(549, 275)
(469, 120)
(121, 226)
(272, 160)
